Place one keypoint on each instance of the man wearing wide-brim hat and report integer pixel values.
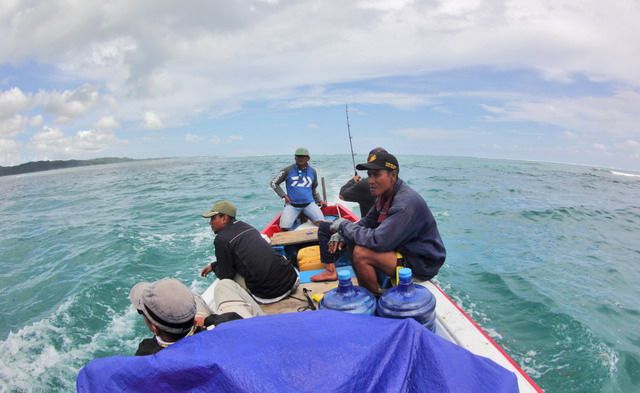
(399, 222)
(172, 312)
(302, 196)
(244, 256)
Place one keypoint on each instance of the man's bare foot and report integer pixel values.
(329, 274)
(325, 276)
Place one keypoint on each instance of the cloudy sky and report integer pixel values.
(546, 80)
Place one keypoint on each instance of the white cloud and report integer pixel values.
(630, 147)
(103, 58)
(323, 98)
(107, 123)
(616, 115)
(429, 134)
(8, 152)
(159, 83)
(215, 140)
(12, 101)
(54, 143)
(93, 140)
(36, 121)
(208, 60)
(50, 139)
(234, 138)
(151, 121)
(599, 146)
(13, 125)
(68, 105)
(216, 54)
(493, 109)
(312, 126)
(192, 138)
(570, 136)
(459, 7)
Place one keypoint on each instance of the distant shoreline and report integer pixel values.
(38, 166)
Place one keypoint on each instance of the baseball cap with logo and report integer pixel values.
(302, 151)
(381, 160)
(167, 303)
(221, 207)
(377, 150)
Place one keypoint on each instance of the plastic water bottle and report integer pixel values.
(348, 297)
(409, 300)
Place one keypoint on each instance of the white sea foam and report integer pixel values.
(532, 371)
(154, 240)
(624, 174)
(493, 333)
(201, 237)
(199, 286)
(42, 355)
(610, 359)
(28, 354)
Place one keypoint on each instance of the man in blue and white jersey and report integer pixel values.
(302, 196)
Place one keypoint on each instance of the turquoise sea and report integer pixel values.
(545, 257)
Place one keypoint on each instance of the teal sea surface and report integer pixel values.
(545, 257)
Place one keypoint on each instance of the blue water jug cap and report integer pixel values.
(344, 275)
(405, 273)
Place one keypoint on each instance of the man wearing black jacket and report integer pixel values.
(244, 256)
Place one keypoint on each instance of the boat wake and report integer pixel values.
(47, 354)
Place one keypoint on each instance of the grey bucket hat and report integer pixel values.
(167, 303)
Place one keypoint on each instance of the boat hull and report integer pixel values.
(452, 322)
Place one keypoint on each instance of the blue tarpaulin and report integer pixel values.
(319, 351)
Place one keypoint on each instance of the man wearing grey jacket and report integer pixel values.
(400, 222)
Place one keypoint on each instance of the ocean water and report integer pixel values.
(545, 257)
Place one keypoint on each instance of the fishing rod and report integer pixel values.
(353, 158)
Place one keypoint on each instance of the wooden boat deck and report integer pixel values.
(296, 301)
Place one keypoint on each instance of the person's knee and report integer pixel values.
(225, 286)
(314, 213)
(285, 225)
(324, 227)
(288, 222)
(360, 255)
(288, 216)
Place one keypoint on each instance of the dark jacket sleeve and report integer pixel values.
(370, 220)
(350, 192)
(278, 179)
(148, 346)
(391, 233)
(224, 267)
(217, 319)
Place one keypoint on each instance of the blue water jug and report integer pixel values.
(348, 297)
(409, 300)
